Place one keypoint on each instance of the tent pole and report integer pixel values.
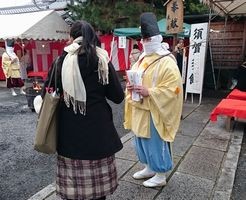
(210, 48)
(212, 64)
(175, 41)
(111, 50)
(22, 47)
(223, 40)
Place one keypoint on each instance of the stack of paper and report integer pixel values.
(135, 79)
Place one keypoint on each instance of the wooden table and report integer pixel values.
(232, 108)
(237, 94)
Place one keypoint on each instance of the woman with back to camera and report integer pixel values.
(87, 138)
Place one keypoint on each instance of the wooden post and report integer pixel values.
(175, 41)
(174, 19)
(229, 124)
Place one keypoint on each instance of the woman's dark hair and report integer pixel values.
(90, 39)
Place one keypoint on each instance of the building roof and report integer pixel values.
(58, 5)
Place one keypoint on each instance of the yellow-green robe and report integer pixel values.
(10, 69)
(164, 103)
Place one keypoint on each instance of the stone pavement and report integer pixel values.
(205, 157)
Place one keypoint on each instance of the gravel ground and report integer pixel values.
(23, 171)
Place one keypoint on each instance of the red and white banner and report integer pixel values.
(119, 56)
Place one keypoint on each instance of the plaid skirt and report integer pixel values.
(85, 179)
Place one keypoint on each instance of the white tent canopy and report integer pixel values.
(42, 25)
(228, 7)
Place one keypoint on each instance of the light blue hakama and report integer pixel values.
(154, 151)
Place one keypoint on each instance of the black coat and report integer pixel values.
(92, 136)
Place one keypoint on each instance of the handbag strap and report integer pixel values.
(54, 73)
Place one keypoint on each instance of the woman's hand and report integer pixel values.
(143, 91)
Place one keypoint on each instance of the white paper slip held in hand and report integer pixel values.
(135, 79)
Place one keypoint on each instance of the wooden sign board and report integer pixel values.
(175, 16)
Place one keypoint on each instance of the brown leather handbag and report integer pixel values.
(46, 131)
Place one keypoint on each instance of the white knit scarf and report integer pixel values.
(72, 82)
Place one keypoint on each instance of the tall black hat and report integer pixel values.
(149, 26)
(10, 42)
